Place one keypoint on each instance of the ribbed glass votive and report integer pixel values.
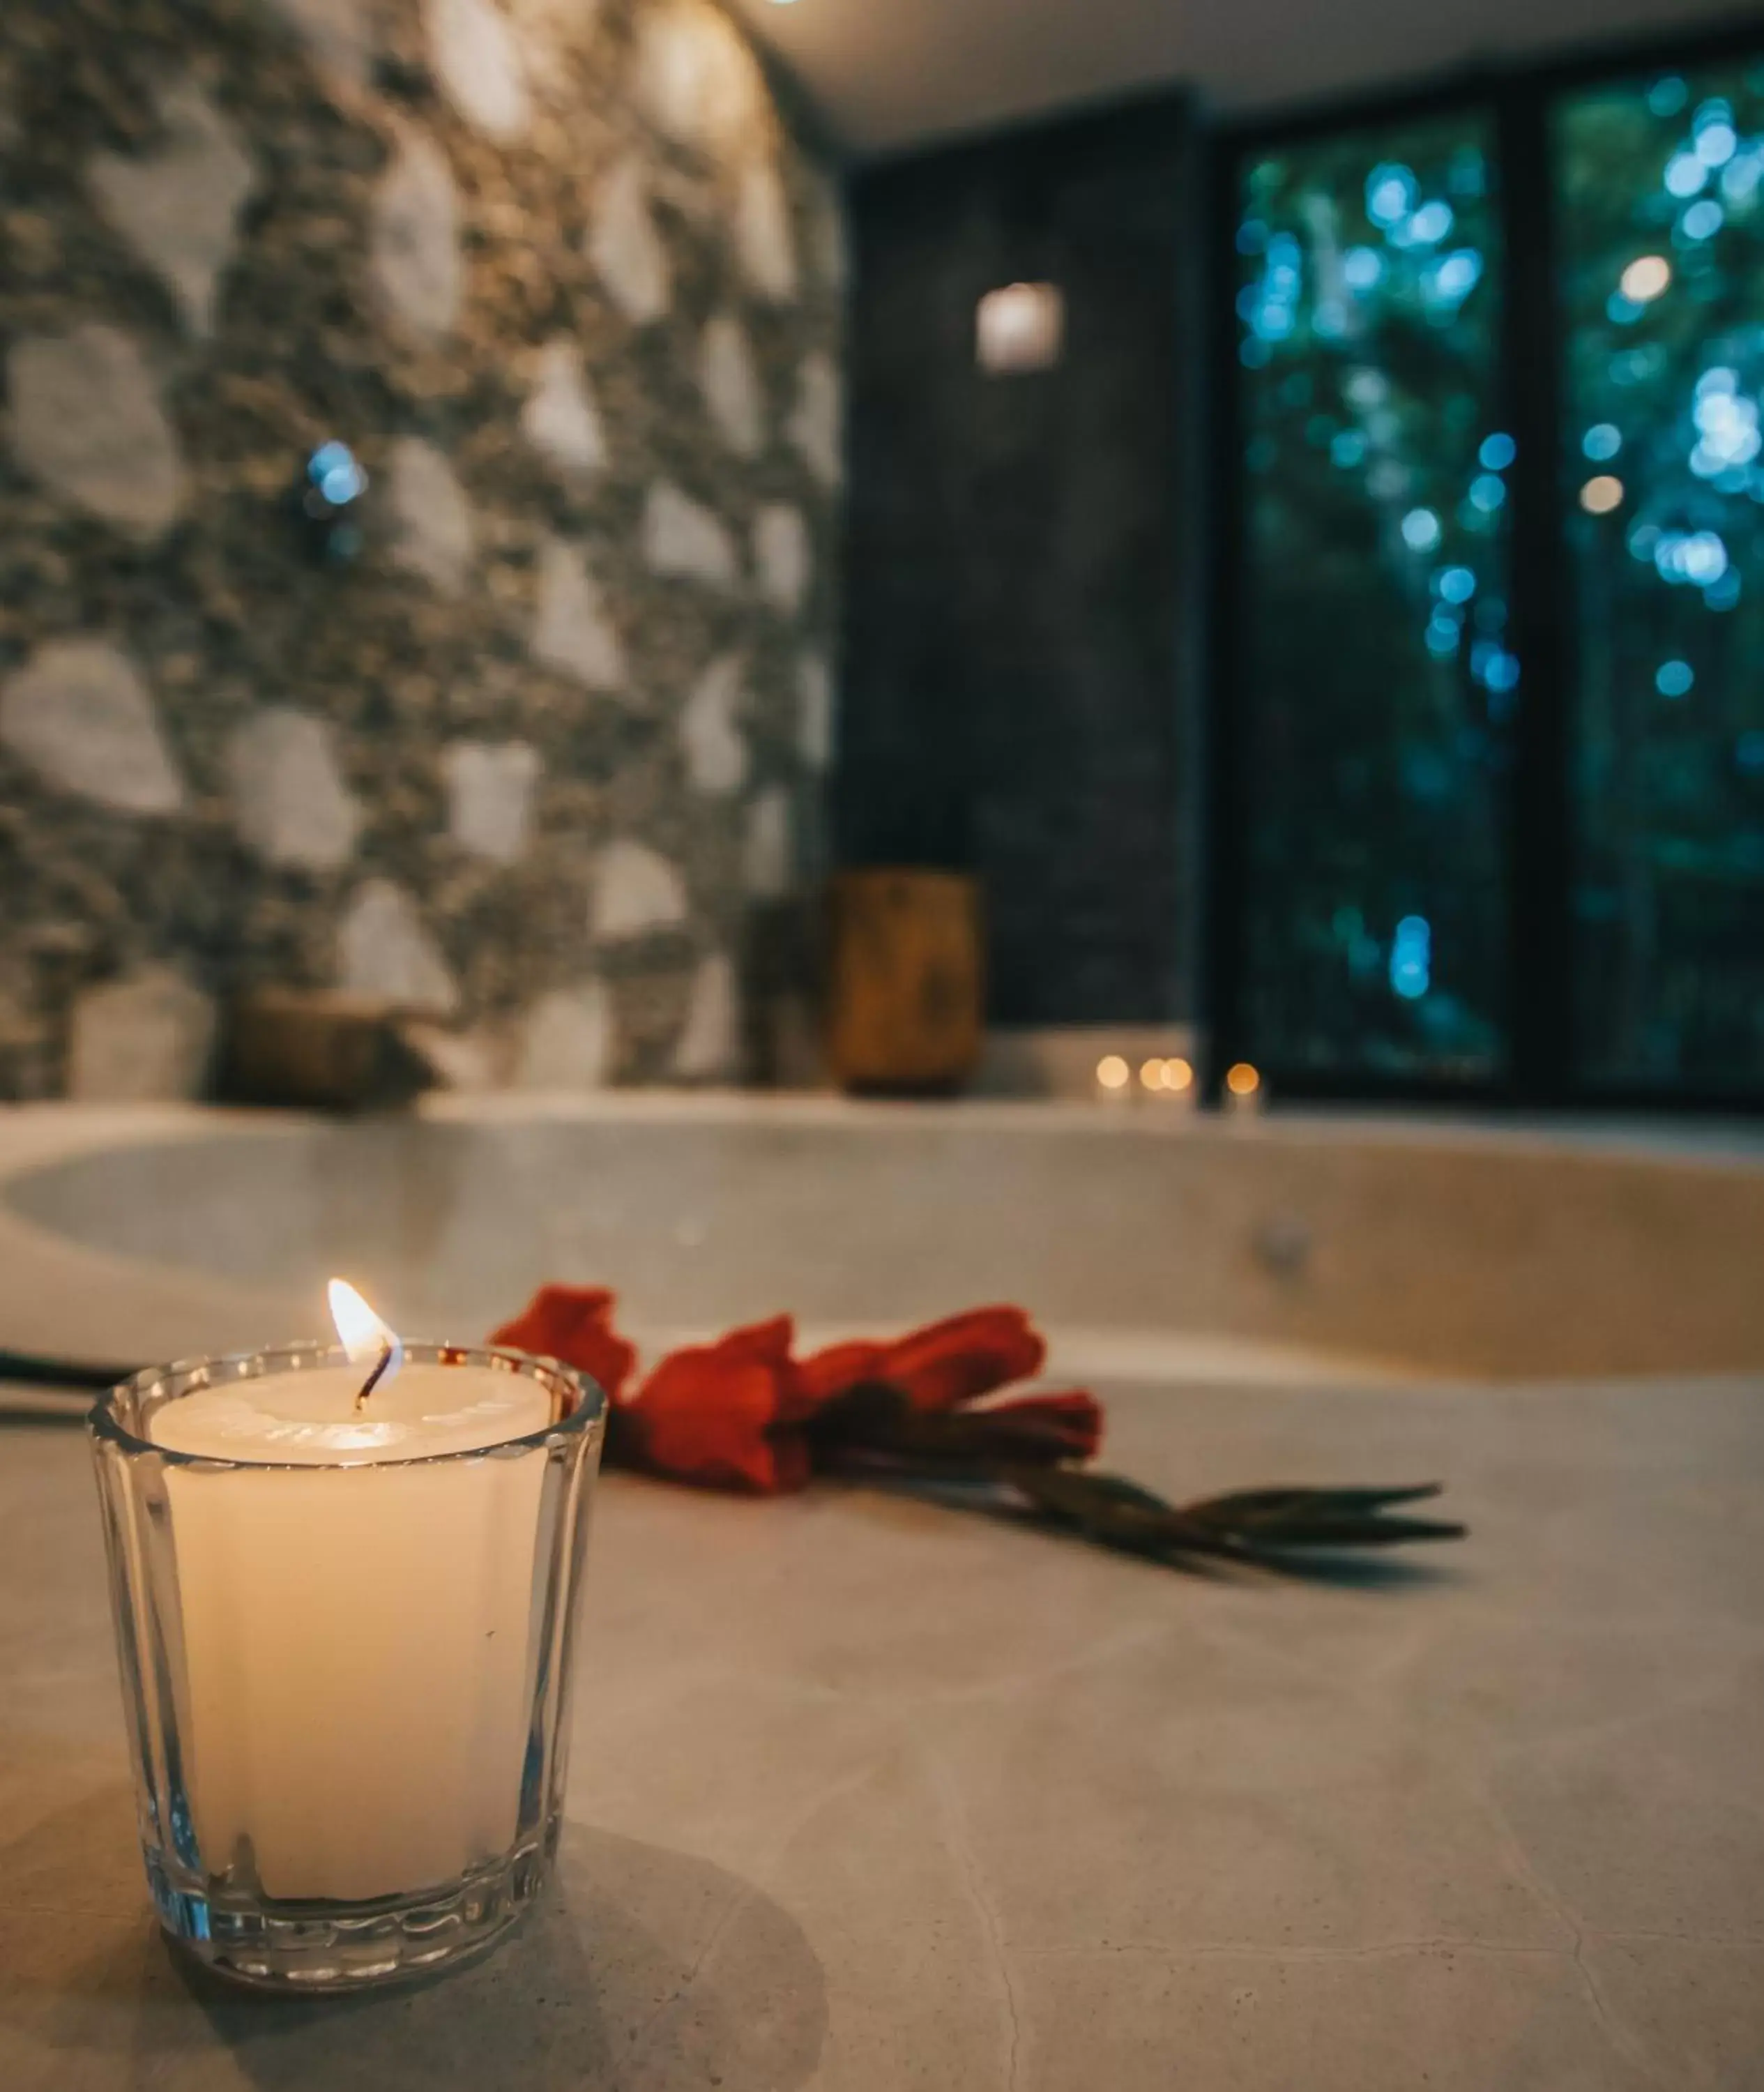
(345, 1634)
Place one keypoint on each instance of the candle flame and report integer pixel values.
(363, 1335)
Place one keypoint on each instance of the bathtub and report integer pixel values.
(868, 1789)
(1150, 1244)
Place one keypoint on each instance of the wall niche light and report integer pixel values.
(1020, 327)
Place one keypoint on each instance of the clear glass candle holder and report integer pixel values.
(347, 1679)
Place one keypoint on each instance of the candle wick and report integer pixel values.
(373, 1378)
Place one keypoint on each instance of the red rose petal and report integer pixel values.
(574, 1323)
(724, 1414)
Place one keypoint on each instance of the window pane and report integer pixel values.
(1378, 681)
(1663, 242)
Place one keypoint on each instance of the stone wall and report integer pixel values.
(530, 730)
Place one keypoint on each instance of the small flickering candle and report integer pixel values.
(362, 1603)
(1115, 1079)
(1245, 1093)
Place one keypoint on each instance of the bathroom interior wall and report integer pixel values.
(530, 732)
(1021, 614)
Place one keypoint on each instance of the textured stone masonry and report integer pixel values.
(532, 749)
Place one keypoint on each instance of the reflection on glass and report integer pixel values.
(1378, 683)
(1661, 186)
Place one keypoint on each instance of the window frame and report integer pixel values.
(1539, 1008)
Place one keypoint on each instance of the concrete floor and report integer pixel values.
(871, 1795)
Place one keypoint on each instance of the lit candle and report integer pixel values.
(1175, 1084)
(1115, 1079)
(357, 1617)
(1244, 1091)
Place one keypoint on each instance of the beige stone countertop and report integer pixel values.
(867, 1793)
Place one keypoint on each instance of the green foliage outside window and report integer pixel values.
(1661, 187)
(1378, 681)
(1380, 685)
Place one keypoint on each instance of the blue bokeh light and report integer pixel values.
(1685, 175)
(1453, 277)
(1430, 223)
(1497, 453)
(1411, 956)
(1674, 679)
(332, 469)
(1391, 189)
(1362, 268)
(1716, 142)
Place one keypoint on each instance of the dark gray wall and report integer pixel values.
(1016, 619)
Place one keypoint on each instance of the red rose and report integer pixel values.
(728, 1414)
(574, 1324)
(737, 1414)
(939, 1367)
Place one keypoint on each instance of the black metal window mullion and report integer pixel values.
(1541, 996)
(1227, 800)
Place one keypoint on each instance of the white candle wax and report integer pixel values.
(356, 1637)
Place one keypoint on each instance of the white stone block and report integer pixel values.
(79, 714)
(568, 1040)
(709, 1049)
(473, 1062)
(87, 422)
(414, 242)
(477, 58)
(781, 556)
(636, 890)
(683, 538)
(625, 247)
(145, 1040)
(431, 517)
(814, 710)
(730, 382)
(768, 849)
(572, 632)
(490, 796)
(177, 206)
(289, 799)
(560, 419)
(763, 238)
(383, 949)
(710, 740)
(816, 424)
(696, 79)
